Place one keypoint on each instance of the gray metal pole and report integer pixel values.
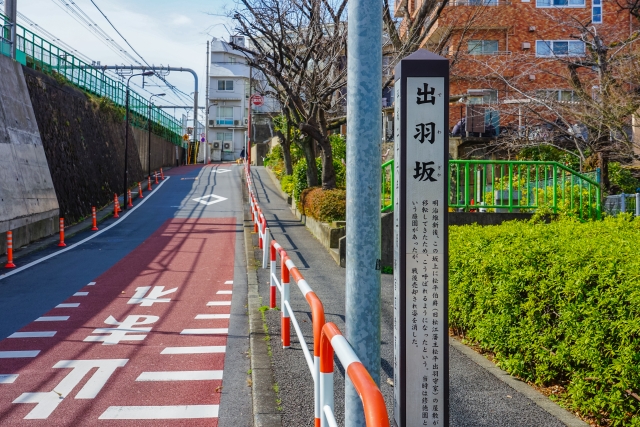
(11, 12)
(206, 114)
(364, 152)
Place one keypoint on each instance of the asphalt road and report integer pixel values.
(477, 398)
(144, 324)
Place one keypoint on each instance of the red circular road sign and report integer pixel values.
(257, 100)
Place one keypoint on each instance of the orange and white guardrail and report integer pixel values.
(332, 340)
(375, 409)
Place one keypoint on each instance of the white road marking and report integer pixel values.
(152, 297)
(220, 170)
(119, 333)
(159, 412)
(224, 292)
(18, 354)
(229, 282)
(8, 378)
(91, 283)
(52, 319)
(180, 376)
(42, 334)
(68, 305)
(47, 402)
(217, 199)
(212, 316)
(75, 245)
(81, 294)
(209, 331)
(194, 350)
(213, 303)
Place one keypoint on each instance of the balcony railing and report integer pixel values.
(480, 3)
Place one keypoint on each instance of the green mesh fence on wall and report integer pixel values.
(35, 52)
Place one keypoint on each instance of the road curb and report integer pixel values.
(523, 388)
(265, 412)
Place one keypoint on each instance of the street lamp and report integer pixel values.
(126, 138)
(149, 126)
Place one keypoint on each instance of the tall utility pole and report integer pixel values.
(248, 152)
(364, 153)
(207, 151)
(11, 12)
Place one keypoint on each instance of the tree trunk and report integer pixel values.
(310, 156)
(328, 172)
(285, 143)
(603, 164)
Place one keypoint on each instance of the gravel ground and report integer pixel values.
(477, 398)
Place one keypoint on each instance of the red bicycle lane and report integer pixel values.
(145, 341)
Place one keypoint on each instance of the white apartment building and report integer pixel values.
(228, 100)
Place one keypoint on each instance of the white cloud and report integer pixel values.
(181, 20)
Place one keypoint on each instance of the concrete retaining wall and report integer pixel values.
(28, 203)
(163, 153)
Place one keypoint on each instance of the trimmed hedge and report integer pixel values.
(324, 205)
(558, 304)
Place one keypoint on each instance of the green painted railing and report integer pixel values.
(388, 180)
(35, 52)
(519, 186)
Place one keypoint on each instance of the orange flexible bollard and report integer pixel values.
(9, 263)
(149, 186)
(115, 207)
(140, 196)
(156, 175)
(130, 204)
(95, 220)
(62, 243)
(161, 174)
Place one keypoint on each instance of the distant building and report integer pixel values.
(228, 101)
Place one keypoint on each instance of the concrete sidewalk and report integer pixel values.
(480, 394)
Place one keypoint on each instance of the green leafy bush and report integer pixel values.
(300, 176)
(287, 183)
(324, 205)
(622, 178)
(338, 147)
(558, 304)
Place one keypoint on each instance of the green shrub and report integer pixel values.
(621, 177)
(558, 304)
(300, 176)
(286, 183)
(338, 147)
(324, 205)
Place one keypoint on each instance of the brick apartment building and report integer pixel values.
(506, 52)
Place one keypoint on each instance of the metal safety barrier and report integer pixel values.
(374, 406)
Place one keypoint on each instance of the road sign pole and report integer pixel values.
(364, 153)
(421, 338)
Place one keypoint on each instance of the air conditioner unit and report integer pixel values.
(211, 123)
(216, 145)
(226, 146)
(236, 122)
(246, 122)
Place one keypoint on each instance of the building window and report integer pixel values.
(560, 3)
(596, 12)
(482, 96)
(225, 84)
(562, 95)
(232, 59)
(482, 47)
(224, 136)
(224, 116)
(559, 48)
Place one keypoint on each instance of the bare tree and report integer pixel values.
(300, 46)
(589, 113)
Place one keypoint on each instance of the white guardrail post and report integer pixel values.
(623, 203)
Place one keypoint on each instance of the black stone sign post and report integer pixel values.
(421, 338)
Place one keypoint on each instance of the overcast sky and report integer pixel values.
(162, 31)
